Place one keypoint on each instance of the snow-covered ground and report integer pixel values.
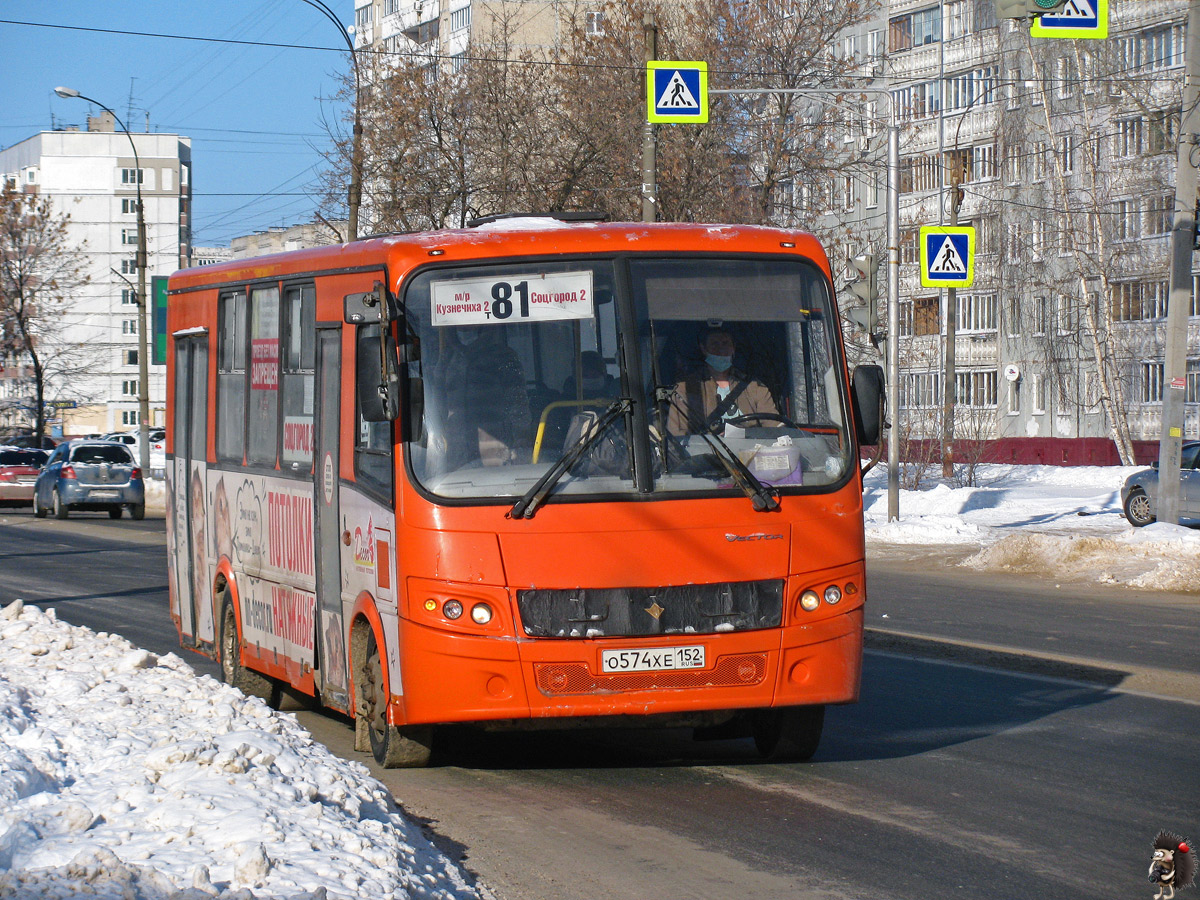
(1062, 523)
(123, 775)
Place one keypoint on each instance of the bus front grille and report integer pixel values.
(740, 670)
(642, 612)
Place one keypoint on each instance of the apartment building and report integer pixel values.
(92, 176)
(1061, 154)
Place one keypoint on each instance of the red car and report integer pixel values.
(19, 469)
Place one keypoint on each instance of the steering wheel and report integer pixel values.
(741, 420)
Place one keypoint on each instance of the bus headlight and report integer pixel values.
(810, 600)
(833, 594)
(481, 614)
(452, 609)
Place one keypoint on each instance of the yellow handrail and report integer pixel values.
(557, 404)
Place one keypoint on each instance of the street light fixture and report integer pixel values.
(354, 200)
(143, 354)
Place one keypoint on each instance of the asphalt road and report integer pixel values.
(950, 778)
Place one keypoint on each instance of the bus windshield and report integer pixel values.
(698, 372)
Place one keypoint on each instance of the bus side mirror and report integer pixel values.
(868, 401)
(377, 375)
(368, 308)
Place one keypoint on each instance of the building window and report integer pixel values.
(131, 357)
(1152, 382)
(1041, 315)
(1014, 316)
(1066, 153)
(1133, 301)
(872, 189)
(976, 312)
(129, 387)
(128, 297)
(1127, 139)
(1014, 397)
(129, 326)
(461, 19)
(976, 388)
(390, 7)
(362, 18)
(927, 317)
(1193, 381)
(129, 236)
(595, 23)
(1163, 132)
(129, 417)
(128, 206)
(1126, 215)
(128, 266)
(1160, 214)
(921, 390)
(132, 176)
(1039, 394)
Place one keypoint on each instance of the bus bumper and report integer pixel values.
(451, 677)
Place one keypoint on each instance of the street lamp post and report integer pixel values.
(143, 354)
(354, 198)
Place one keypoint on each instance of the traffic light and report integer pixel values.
(1023, 9)
(866, 288)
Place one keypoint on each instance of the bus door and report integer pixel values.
(190, 545)
(331, 674)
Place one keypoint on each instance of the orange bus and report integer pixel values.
(529, 472)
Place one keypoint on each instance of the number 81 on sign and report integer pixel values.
(533, 297)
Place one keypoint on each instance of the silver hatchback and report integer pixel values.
(99, 475)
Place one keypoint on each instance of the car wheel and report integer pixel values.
(1137, 508)
(38, 509)
(114, 512)
(60, 509)
(789, 734)
(137, 511)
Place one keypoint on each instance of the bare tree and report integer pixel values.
(39, 271)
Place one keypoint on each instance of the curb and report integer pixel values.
(1162, 683)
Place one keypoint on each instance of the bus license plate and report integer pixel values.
(659, 659)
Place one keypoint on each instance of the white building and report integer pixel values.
(91, 175)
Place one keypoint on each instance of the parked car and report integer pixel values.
(1139, 494)
(90, 475)
(19, 467)
(24, 439)
(158, 439)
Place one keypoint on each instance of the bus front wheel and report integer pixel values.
(788, 734)
(234, 673)
(393, 747)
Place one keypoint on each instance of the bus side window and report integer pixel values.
(231, 378)
(297, 377)
(373, 440)
(264, 376)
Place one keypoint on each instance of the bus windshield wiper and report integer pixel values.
(764, 498)
(529, 503)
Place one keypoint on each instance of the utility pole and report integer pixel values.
(1183, 237)
(649, 147)
(949, 388)
(893, 341)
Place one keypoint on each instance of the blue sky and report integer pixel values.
(255, 114)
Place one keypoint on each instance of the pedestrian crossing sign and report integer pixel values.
(947, 256)
(1074, 19)
(676, 92)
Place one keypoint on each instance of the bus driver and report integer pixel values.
(717, 392)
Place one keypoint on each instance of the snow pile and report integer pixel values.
(125, 776)
(1053, 521)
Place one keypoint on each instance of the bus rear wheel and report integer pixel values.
(789, 734)
(393, 747)
(234, 673)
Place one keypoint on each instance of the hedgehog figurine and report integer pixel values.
(1172, 866)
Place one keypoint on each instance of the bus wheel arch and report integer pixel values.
(229, 653)
(393, 746)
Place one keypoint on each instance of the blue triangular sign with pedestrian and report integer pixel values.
(676, 95)
(947, 256)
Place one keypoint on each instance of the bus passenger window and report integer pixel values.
(264, 376)
(297, 378)
(231, 378)
(373, 440)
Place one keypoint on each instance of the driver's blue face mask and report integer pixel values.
(719, 363)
